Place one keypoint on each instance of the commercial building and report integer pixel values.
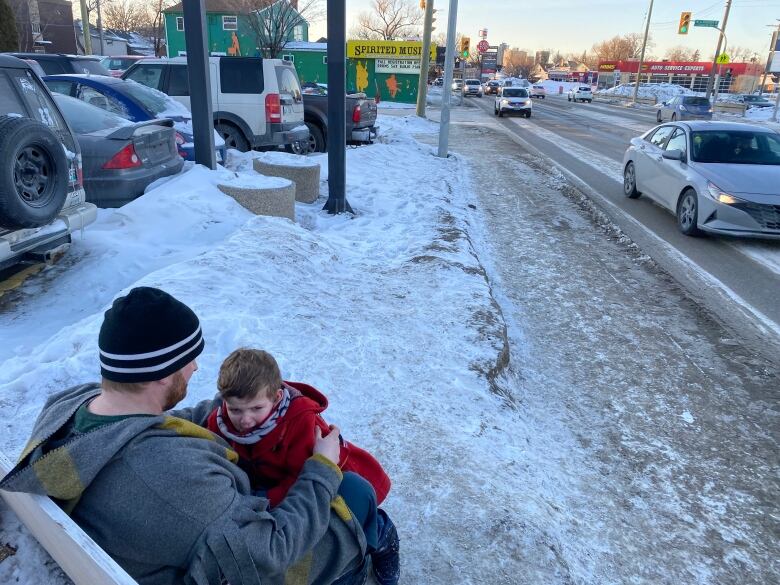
(734, 77)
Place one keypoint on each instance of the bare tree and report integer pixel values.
(125, 16)
(389, 20)
(679, 53)
(620, 47)
(273, 22)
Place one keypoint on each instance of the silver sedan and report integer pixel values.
(720, 177)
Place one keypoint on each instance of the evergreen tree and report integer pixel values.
(9, 37)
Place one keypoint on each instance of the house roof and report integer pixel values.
(226, 6)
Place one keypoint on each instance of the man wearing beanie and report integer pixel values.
(164, 496)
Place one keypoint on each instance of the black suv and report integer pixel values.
(42, 199)
(56, 63)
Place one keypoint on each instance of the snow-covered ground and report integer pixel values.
(388, 312)
(660, 91)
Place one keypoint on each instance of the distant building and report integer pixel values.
(537, 73)
(114, 43)
(44, 26)
(542, 58)
(228, 29)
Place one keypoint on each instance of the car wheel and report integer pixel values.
(688, 213)
(232, 136)
(495, 111)
(500, 113)
(317, 141)
(528, 114)
(674, 117)
(34, 173)
(658, 117)
(629, 181)
(568, 98)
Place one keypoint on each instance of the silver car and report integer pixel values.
(684, 107)
(720, 177)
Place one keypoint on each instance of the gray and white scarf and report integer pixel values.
(268, 425)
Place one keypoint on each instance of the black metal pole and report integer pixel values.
(200, 82)
(337, 106)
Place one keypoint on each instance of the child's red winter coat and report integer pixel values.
(274, 462)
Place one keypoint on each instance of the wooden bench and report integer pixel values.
(75, 552)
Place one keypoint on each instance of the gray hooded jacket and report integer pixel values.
(164, 497)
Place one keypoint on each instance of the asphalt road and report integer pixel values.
(735, 279)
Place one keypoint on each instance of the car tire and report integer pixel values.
(568, 98)
(688, 213)
(34, 173)
(629, 181)
(232, 136)
(674, 117)
(317, 141)
(528, 115)
(658, 117)
(500, 113)
(495, 111)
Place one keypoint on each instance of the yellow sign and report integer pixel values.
(387, 49)
(723, 59)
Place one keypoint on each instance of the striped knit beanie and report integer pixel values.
(146, 336)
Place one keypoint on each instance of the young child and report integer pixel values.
(270, 424)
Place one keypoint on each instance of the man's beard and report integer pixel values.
(176, 391)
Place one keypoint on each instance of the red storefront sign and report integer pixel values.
(677, 67)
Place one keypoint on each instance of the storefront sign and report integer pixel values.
(407, 66)
(677, 67)
(386, 50)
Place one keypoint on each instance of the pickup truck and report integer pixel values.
(361, 118)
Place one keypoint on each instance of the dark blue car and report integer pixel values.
(134, 102)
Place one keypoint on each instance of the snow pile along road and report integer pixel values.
(660, 91)
(387, 312)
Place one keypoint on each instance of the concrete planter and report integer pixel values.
(273, 201)
(306, 178)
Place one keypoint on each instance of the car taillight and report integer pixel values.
(356, 114)
(180, 139)
(79, 172)
(273, 108)
(124, 159)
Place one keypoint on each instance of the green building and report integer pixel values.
(229, 31)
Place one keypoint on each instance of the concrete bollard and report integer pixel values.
(272, 201)
(304, 174)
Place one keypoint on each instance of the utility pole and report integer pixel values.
(425, 61)
(717, 49)
(100, 28)
(446, 94)
(772, 45)
(85, 28)
(642, 54)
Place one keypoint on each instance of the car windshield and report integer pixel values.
(741, 147)
(89, 66)
(515, 92)
(84, 118)
(472, 82)
(584, 89)
(155, 102)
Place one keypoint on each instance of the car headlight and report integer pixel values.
(719, 195)
(504, 102)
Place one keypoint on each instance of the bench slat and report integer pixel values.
(78, 555)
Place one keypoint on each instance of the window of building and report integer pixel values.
(229, 23)
(298, 33)
(325, 60)
(180, 23)
(36, 28)
(290, 58)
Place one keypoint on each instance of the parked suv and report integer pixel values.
(42, 199)
(581, 93)
(257, 102)
(684, 107)
(56, 63)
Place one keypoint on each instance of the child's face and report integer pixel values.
(247, 413)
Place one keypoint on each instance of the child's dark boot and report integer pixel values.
(386, 559)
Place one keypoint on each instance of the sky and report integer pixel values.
(575, 25)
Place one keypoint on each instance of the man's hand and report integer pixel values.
(328, 446)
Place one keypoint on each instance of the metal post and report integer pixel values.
(100, 28)
(777, 105)
(642, 55)
(199, 77)
(772, 45)
(425, 60)
(722, 30)
(85, 28)
(337, 105)
(446, 94)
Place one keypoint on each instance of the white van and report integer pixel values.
(257, 102)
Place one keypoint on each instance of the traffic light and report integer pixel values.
(465, 47)
(422, 4)
(685, 23)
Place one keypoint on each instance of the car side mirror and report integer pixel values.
(673, 155)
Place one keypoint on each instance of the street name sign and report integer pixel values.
(709, 23)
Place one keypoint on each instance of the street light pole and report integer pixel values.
(425, 61)
(642, 55)
(717, 49)
(716, 87)
(449, 60)
(85, 28)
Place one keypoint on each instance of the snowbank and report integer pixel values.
(387, 312)
(660, 91)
